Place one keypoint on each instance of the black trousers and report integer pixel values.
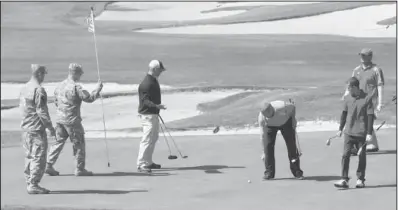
(289, 134)
(349, 143)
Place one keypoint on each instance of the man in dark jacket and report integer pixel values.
(150, 104)
(357, 118)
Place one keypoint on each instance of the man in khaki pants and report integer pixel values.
(371, 78)
(149, 107)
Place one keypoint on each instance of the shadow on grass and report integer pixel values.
(96, 191)
(372, 187)
(123, 174)
(314, 178)
(210, 169)
(382, 152)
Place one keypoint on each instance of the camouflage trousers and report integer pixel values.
(35, 145)
(75, 133)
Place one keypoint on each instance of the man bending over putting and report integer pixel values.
(358, 115)
(279, 116)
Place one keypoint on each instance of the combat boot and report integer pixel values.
(51, 171)
(83, 172)
(36, 189)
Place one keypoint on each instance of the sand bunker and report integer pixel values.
(360, 22)
(175, 11)
(11, 90)
(121, 112)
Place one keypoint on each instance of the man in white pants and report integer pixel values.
(150, 104)
(370, 78)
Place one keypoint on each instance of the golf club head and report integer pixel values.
(172, 157)
(185, 156)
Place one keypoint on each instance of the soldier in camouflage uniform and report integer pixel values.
(69, 96)
(35, 120)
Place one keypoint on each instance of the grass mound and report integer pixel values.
(242, 109)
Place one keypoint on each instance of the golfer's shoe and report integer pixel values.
(155, 166)
(371, 148)
(360, 184)
(83, 172)
(144, 169)
(267, 177)
(36, 189)
(51, 171)
(341, 184)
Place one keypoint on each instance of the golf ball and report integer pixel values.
(248, 181)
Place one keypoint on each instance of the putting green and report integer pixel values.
(214, 176)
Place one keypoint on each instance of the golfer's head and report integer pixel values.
(267, 110)
(75, 71)
(366, 55)
(353, 85)
(38, 72)
(156, 68)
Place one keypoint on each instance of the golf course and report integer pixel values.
(223, 60)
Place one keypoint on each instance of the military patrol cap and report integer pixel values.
(75, 68)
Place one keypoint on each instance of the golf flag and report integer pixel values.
(90, 21)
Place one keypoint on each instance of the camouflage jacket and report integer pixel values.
(68, 100)
(34, 109)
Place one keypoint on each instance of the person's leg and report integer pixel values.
(268, 141)
(56, 149)
(373, 145)
(289, 134)
(27, 145)
(154, 137)
(38, 162)
(361, 164)
(142, 160)
(76, 134)
(345, 162)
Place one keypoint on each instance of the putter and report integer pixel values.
(299, 153)
(172, 139)
(170, 157)
(364, 145)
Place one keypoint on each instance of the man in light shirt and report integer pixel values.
(371, 78)
(279, 116)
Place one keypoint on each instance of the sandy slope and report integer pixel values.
(360, 22)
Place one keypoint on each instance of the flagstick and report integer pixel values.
(99, 78)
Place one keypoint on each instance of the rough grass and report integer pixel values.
(288, 61)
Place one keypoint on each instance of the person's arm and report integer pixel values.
(85, 96)
(262, 122)
(42, 108)
(343, 117)
(380, 85)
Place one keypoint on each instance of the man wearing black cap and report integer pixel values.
(371, 78)
(69, 96)
(150, 104)
(357, 118)
(279, 116)
(35, 121)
